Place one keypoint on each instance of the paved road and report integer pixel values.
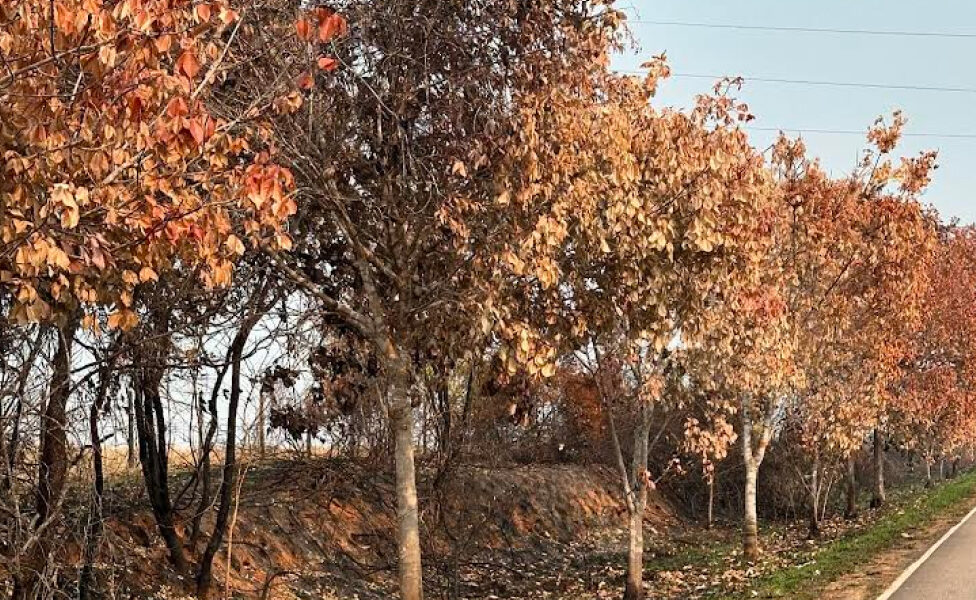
(949, 573)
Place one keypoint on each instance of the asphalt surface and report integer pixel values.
(949, 573)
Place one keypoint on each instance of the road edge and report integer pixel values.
(903, 577)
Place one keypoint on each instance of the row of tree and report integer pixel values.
(441, 205)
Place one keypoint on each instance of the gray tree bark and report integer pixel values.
(851, 511)
(878, 497)
(408, 513)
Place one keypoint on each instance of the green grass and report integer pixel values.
(846, 553)
(709, 555)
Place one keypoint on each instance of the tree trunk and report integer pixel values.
(206, 502)
(711, 500)
(941, 469)
(14, 447)
(260, 424)
(408, 515)
(851, 511)
(814, 529)
(928, 472)
(634, 589)
(86, 581)
(639, 481)
(230, 472)
(205, 449)
(132, 454)
(750, 522)
(151, 428)
(752, 459)
(878, 496)
(955, 467)
(52, 469)
(442, 397)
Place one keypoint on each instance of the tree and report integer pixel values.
(394, 134)
(859, 261)
(115, 172)
(650, 218)
(709, 437)
(840, 261)
(933, 412)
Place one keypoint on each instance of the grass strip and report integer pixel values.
(855, 548)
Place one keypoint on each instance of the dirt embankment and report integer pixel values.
(326, 530)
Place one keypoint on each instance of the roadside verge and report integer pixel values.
(864, 562)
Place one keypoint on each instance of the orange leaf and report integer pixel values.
(188, 64)
(288, 104)
(63, 18)
(197, 131)
(228, 16)
(306, 81)
(177, 107)
(304, 29)
(123, 319)
(148, 274)
(284, 242)
(235, 245)
(327, 63)
(203, 12)
(330, 27)
(164, 42)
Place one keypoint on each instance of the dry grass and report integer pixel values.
(115, 458)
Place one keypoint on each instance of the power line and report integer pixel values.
(849, 84)
(845, 84)
(839, 131)
(965, 136)
(890, 33)
(828, 83)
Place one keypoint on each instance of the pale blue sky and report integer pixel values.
(896, 60)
